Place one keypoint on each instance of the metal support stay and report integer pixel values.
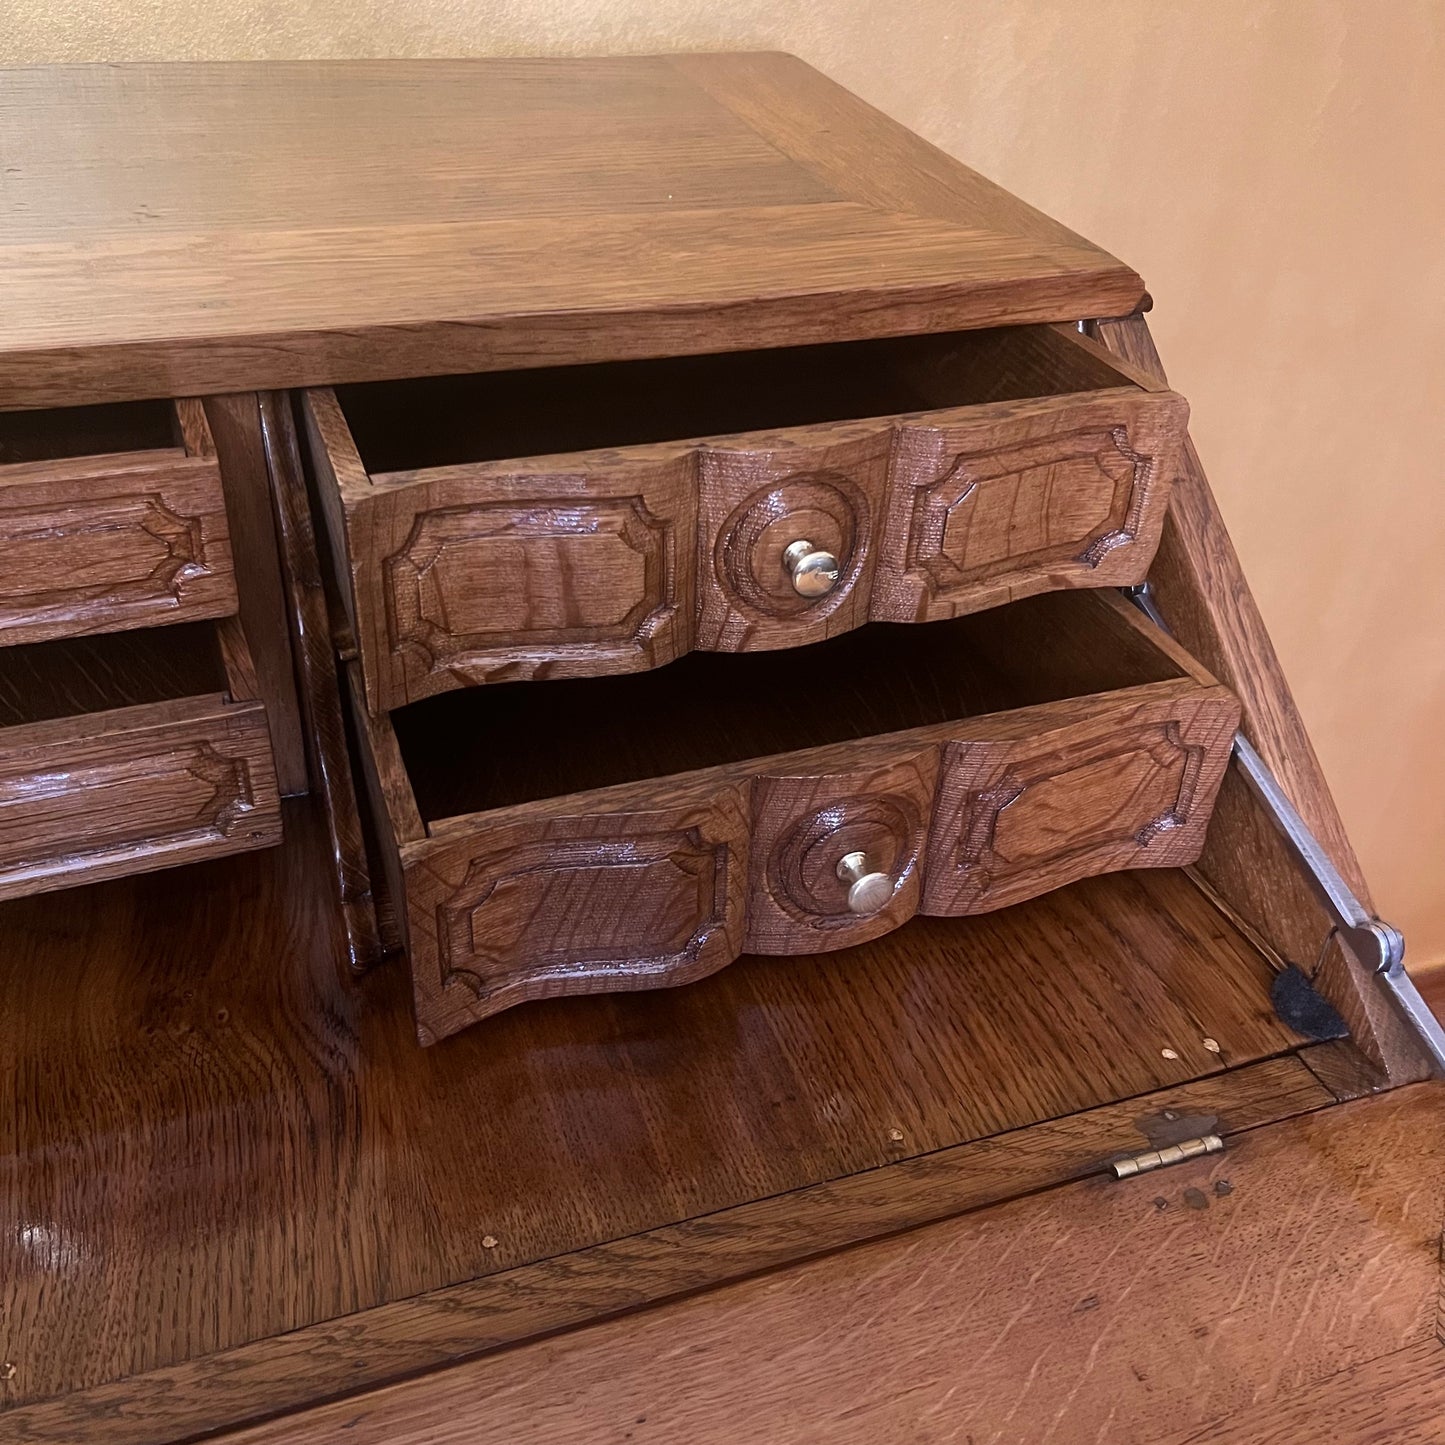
(1378, 946)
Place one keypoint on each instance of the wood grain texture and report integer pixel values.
(1203, 594)
(1076, 796)
(255, 1143)
(79, 675)
(1398, 1399)
(236, 426)
(1102, 1311)
(1014, 500)
(84, 799)
(129, 751)
(463, 565)
(555, 906)
(642, 884)
(807, 817)
(1345, 1070)
(682, 210)
(310, 614)
(975, 763)
(445, 1326)
(136, 537)
(758, 496)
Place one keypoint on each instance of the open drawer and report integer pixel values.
(911, 479)
(111, 517)
(612, 833)
(125, 753)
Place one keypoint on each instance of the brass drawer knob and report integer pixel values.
(868, 890)
(814, 572)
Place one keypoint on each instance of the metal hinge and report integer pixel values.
(1152, 1159)
(1378, 946)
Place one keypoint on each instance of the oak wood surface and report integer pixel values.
(1135, 1312)
(703, 809)
(682, 207)
(1206, 599)
(254, 1125)
(424, 423)
(129, 751)
(641, 885)
(1397, 1399)
(311, 615)
(391, 1341)
(236, 425)
(1346, 1070)
(139, 788)
(1039, 466)
(132, 533)
(77, 675)
(485, 748)
(89, 431)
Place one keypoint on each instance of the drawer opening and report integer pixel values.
(78, 675)
(452, 420)
(485, 748)
(82, 431)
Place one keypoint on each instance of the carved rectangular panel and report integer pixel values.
(805, 824)
(106, 794)
(1131, 785)
(485, 576)
(995, 503)
(759, 495)
(100, 544)
(568, 904)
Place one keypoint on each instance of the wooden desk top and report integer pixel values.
(182, 229)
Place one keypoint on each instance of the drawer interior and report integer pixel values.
(77, 675)
(483, 748)
(449, 420)
(82, 431)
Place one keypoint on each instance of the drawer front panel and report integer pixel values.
(144, 787)
(112, 543)
(988, 508)
(1132, 787)
(805, 826)
(577, 904)
(528, 576)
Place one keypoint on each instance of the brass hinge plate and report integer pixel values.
(1152, 1159)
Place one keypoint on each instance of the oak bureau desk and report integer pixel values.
(791, 754)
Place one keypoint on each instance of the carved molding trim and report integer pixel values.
(739, 556)
(800, 872)
(415, 604)
(63, 816)
(979, 868)
(27, 600)
(957, 490)
(476, 955)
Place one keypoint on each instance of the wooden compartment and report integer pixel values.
(615, 833)
(343, 1209)
(111, 517)
(128, 752)
(940, 474)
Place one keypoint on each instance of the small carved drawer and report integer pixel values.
(111, 517)
(130, 752)
(911, 479)
(616, 833)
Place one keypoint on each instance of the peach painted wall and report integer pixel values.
(1273, 167)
